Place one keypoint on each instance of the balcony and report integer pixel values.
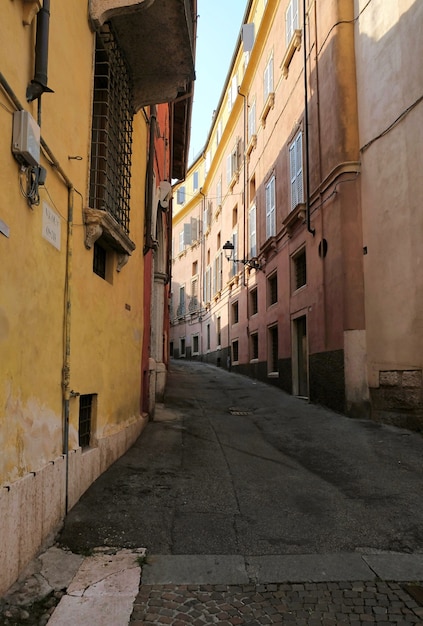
(157, 38)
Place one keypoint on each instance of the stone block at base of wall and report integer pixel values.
(33, 507)
(399, 399)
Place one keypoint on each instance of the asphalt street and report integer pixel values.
(232, 466)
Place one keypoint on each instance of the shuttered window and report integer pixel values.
(296, 170)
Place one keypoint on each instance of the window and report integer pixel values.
(219, 331)
(296, 171)
(299, 263)
(182, 346)
(87, 404)
(272, 289)
(195, 181)
(207, 215)
(99, 260)
(268, 79)
(195, 268)
(232, 93)
(235, 356)
(253, 301)
(181, 307)
(193, 305)
(180, 195)
(235, 245)
(111, 137)
(235, 313)
(291, 20)
(234, 216)
(253, 346)
(195, 344)
(272, 364)
(232, 164)
(218, 132)
(219, 192)
(208, 284)
(218, 273)
(252, 225)
(207, 163)
(208, 336)
(270, 208)
(182, 241)
(252, 120)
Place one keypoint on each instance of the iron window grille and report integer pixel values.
(86, 403)
(300, 267)
(273, 349)
(272, 289)
(254, 301)
(254, 346)
(111, 141)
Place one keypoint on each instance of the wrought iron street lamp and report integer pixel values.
(229, 254)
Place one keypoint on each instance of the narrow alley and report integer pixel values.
(246, 505)
(234, 466)
(280, 490)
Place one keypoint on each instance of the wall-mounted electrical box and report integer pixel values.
(26, 139)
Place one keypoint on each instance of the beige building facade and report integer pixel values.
(291, 175)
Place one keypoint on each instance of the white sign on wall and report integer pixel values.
(51, 226)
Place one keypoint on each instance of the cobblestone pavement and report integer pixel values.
(308, 604)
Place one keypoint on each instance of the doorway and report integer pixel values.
(300, 357)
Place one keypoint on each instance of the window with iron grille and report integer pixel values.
(254, 346)
(111, 140)
(253, 301)
(272, 289)
(235, 313)
(195, 344)
(300, 269)
(235, 356)
(273, 349)
(86, 408)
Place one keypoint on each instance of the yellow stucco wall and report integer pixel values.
(106, 319)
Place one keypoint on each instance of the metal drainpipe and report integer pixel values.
(67, 310)
(67, 318)
(202, 265)
(148, 245)
(306, 139)
(244, 213)
(38, 84)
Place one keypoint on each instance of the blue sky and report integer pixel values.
(219, 24)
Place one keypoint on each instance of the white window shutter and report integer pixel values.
(288, 24)
(299, 165)
(293, 171)
(194, 229)
(187, 235)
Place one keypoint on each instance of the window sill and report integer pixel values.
(251, 144)
(295, 218)
(294, 44)
(100, 224)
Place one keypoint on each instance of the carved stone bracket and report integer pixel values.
(30, 10)
(294, 44)
(102, 225)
